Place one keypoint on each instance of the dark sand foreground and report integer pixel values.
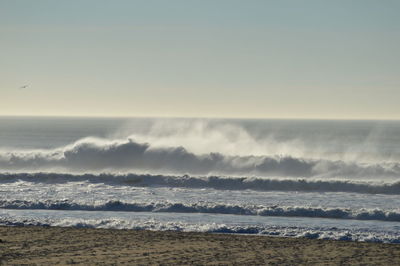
(55, 245)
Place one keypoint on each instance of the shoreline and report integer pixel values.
(70, 245)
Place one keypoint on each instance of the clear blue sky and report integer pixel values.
(216, 58)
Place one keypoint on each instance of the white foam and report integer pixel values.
(279, 226)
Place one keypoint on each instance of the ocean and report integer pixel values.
(325, 179)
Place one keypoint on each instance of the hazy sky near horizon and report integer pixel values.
(208, 58)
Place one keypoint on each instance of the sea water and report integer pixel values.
(296, 178)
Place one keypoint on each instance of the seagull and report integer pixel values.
(23, 87)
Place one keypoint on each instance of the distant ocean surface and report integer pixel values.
(295, 178)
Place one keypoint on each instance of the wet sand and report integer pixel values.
(56, 245)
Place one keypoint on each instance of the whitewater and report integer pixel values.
(295, 178)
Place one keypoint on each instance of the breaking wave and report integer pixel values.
(314, 212)
(91, 154)
(214, 182)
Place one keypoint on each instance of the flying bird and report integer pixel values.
(23, 87)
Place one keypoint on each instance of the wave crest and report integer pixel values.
(215, 182)
(100, 155)
(281, 211)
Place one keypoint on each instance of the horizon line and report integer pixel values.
(198, 117)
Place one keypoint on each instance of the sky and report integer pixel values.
(206, 58)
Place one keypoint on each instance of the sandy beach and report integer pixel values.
(56, 245)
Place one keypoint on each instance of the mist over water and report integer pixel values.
(351, 169)
(341, 140)
(344, 140)
(269, 148)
